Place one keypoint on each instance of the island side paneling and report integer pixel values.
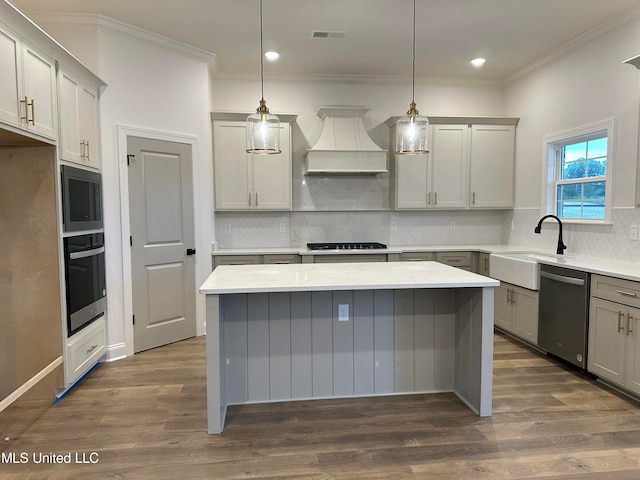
(283, 346)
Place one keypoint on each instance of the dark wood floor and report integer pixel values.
(145, 418)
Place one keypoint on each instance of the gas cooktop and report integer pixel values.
(346, 246)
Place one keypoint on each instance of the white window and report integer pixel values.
(578, 173)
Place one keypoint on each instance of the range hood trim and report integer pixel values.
(344, 146)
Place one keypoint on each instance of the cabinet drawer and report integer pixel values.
(349, 258)
(616, 290)
(270, 259)
(236, 260)
(455, 259)
(85, 348)
(416, 256)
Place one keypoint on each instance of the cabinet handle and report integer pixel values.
(486, 263)
(33, 112)
(26, 109)
(89, 350)
(629, 318)
(473, 198)
(435, 198)
(249, 198)
(620, 321)
(509, 295)
(86, 142)
(627, 294)
(256, 199)
(429, 198)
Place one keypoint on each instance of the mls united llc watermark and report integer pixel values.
(51, 458)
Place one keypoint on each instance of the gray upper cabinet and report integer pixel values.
(250, 182)
(470, 165)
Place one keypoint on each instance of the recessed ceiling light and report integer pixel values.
(271, 55)
(478, 62)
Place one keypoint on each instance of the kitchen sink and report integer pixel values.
(520, 269)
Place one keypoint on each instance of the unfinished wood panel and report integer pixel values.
(31, 319)
(258, 347)
(343, 346)
(235, 347)
(322, 343)
(279, 346)
(301, 348)
(363, 346)
(383, 340)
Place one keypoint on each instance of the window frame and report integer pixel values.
(552, 164)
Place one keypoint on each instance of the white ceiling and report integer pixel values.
(512, 34)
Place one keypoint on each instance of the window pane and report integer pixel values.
(597, 168)
(569, 209)
(597, 148)
(573, 170)
(575, 151)
(593, 210)
(568, 192)
(594, 191)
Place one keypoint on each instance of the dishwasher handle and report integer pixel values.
(562, 278)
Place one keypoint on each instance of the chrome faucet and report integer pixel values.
(561, 246)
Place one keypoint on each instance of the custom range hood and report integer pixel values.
(344, 147)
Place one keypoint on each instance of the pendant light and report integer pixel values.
(263, 128)
(411, 129)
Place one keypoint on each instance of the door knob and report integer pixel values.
(191, 251)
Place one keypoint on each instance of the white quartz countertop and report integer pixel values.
(227, 279)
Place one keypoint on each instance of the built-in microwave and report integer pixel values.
(81, 199)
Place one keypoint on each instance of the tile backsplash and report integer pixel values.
(404, 228)
(255, 230)
(610, 241)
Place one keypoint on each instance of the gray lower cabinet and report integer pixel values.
(483, 264)
(461, 260)
(236, 260)
(614, 326)
(417, 256)
(516, 311)
(281, 259)
(350, 258)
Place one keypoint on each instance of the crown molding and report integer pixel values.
(613, 25)
(130, 32)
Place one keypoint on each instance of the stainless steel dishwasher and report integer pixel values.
(564, 313)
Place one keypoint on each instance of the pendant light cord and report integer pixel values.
(413, 60)
(261, 55)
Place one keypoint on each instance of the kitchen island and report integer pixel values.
(305, 331)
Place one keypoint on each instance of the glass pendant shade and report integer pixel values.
(263, 131)
(411, 133)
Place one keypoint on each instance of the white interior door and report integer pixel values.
(162, 235)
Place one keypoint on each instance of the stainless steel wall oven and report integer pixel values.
(85, 280)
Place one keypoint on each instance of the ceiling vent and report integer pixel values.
(327, 34)
(344, 146)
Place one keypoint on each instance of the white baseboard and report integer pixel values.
(115, 352)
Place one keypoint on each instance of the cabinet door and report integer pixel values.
(633, 350)
(492, 166)
(271, 175)
(502, 307)
(71, 148)
(525, 314)
(483, 264)
(411, 181)
(40, 89)
(88, 114)
(606, 339)
(10, 76)
(231, 171)
(449, 166)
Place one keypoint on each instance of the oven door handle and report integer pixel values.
(86, 253)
